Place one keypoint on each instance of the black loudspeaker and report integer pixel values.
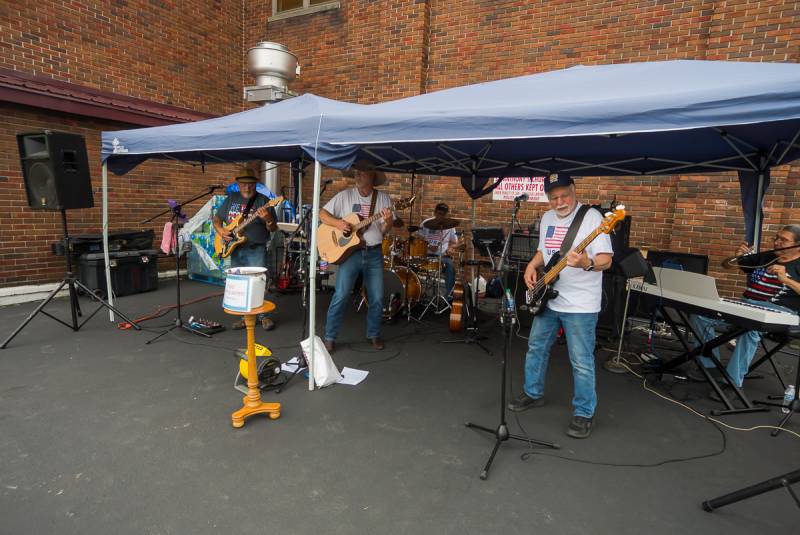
(630, 264)
(55, 168)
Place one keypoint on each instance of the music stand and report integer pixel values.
(176, 215)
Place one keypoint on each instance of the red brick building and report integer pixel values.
(86, 67)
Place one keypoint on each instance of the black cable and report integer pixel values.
(525, 456)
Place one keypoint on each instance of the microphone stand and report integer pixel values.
(508, 318)
(176, 217)
(305, 272)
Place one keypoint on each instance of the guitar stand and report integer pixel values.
(472, 334)
(71, 282)
(501, 434)
(785, 481)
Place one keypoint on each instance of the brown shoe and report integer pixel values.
(238, 325)
(377, 343)
(330, 345)
(267, 324)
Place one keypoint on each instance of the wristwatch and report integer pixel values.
(590, 267)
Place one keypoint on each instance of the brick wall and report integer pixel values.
(186, 54)
(437, 44)
(191, 53)
(25, 256)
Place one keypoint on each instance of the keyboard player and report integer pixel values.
(776, 286)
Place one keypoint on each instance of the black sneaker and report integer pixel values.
(580, 427)
(524, 402)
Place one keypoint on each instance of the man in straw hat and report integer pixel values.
(253, 252)
(363, 199)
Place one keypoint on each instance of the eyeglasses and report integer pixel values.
(780, 239)
(564, 196)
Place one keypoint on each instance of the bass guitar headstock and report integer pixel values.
(612, 218)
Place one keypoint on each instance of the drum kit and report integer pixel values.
(411, 273)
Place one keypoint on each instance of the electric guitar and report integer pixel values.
(222, 247)
(334, 245)
(537, 297)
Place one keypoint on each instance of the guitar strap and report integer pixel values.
(569, 237)
(248, 206)
(372, 202)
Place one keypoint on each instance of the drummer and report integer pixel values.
(439, 232)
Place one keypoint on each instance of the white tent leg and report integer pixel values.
(312, 271)
(110, 296)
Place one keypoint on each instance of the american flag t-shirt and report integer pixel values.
(553, 236)
(361, 209)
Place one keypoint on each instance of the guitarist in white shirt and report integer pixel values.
(368, 260)
(253, 252)
(575, 308)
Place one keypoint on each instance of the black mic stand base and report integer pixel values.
(501, 433)
(471, 338)
(179, 324)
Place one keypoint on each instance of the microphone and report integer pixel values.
(521, 198)
(216, 186)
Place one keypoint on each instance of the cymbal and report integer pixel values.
(441, 224)
(413, 228)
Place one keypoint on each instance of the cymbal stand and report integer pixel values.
(437, 292)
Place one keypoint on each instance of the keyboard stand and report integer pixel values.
(694, 354)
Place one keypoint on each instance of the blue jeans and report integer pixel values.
(246, 256)
(580, 332)
(368, 262)
(449, 273)
(746, 344)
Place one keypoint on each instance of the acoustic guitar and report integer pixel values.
(335, 245)
(224, 247)
(542, 292)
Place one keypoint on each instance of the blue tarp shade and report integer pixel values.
(672, 117)
(282, 132)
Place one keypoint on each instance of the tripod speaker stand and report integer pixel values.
(72, 283)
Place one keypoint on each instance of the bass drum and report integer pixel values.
(398, 285)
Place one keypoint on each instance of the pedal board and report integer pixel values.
(205, 326)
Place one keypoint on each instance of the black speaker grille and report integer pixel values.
(41, 185)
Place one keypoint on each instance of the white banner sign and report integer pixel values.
(514, 186)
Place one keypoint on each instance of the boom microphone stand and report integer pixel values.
(176, 209)
(71, 281)
(508, 317)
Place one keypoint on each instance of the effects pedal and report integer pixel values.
(205, 326)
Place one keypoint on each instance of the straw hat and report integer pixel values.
(246, 174)
(366, 165)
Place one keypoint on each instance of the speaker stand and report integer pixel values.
(72, 283)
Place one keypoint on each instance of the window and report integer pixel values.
(284, 9)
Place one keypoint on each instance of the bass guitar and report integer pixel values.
(222, 247)
(537, 297)
(335, 245)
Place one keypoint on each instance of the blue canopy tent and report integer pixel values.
(656, 118)
(284, 132)
(674, 117)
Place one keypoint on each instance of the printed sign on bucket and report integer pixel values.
(513, 186)
(244, 288)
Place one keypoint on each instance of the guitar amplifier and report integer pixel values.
(523, 247)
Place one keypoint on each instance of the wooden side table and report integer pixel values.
(252, 401)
